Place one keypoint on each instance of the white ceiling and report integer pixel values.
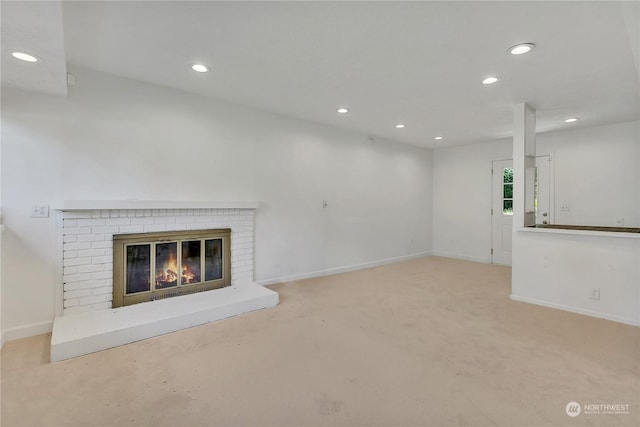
(36, 28)
(419, 63)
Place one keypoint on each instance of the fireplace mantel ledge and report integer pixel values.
(83, 205)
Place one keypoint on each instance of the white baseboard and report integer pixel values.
(576, 310)
(45, 327)
(344, 269)
(25, 331)
(462, 257)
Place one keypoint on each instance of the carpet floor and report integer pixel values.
(428, 342)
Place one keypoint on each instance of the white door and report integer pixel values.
(502, 204)
(502, 211)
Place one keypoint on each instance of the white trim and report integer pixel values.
(552, 186)
(344, 269)
(580, 232)
(58, 289)
(25, 331)
(45, 327)
(483, 260)
(490, 248)
(576, 310)
(84, 205)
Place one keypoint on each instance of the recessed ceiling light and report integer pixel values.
(490, 80)
(399, 126)
(199, 68)
(24, 57)
(571, 120)
(437, 138)
(343, 110)
(521, 48)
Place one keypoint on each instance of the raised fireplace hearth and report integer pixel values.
(152, 266)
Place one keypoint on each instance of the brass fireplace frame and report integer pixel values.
(120, 242)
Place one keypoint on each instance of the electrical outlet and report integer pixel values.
(40, 211)
(594, 293)
(564, 207)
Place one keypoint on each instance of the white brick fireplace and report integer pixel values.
(86, 230)
(87, 237)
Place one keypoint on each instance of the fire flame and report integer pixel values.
(169, 273)
(187, 276)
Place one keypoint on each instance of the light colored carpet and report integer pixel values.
(428, 342)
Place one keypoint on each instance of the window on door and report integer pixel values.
(507, 191)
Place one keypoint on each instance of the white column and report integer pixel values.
(524, 164)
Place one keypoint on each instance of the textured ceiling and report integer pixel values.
(419, 63)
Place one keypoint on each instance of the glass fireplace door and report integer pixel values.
(151, 266)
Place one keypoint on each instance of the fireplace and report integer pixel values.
(151, 266)
(165, 248)
(87, 230)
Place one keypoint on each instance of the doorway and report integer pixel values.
(502, 204)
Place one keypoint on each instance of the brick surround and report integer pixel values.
(87, 236)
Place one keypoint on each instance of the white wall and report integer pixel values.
(462, 199)
(114, 138)
(596, 173)
(559, 270)
(1, 233)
